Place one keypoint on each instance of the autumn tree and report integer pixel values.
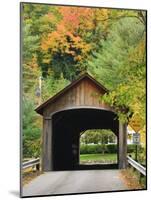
(68, 47)
(59, 43)
(120, 66)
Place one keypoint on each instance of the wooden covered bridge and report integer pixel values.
(74, 109)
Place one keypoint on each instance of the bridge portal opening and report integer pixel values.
(77, 108)
(98, 147)
(68, 125)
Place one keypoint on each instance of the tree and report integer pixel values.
(31, 130)
(38, 20)
(96, 136)
(68, 47)
(64, 48)
(120, 66)
(50, 86)
(60, 43)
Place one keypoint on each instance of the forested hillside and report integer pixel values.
(60, 43)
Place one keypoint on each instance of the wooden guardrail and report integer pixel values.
(136, 165)
(32, 163)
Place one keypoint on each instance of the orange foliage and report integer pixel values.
(70, 31)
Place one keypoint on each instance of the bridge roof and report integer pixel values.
(40, 108)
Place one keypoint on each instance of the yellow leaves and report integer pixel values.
(78, 58)
(48, 18)
(33, 62)
(67, 38)
(101, 16)
(46, 60)
(52, 41)
(143, 136)
(73, 19)
(33, 66)
(66, 42)
(138, 55)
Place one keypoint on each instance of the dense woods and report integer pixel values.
(60, 43)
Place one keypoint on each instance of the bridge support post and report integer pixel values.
(122, 145)
(47, 145)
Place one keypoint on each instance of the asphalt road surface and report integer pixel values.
(67, 182)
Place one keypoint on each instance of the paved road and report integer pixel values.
(64, 182)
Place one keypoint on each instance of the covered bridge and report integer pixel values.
(74, 109)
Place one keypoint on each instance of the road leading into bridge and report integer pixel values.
(67, 182)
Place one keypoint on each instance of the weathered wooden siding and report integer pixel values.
(47, 145)
(85, 93)
(122, 145)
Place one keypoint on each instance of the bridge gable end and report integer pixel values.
(85, 91)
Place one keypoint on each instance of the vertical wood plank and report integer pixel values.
(47, 164)
(122, 145)
(77, 95)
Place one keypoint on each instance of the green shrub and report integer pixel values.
(90, 149)
(97, 148)
(131, 148)
(108, 148)
(112, 148)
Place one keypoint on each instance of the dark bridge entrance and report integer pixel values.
(75, 109)
(67, 126)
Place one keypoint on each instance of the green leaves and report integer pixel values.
(50, 86)
(60, 43)
(120, 66)
(97, 136)
(31, 129)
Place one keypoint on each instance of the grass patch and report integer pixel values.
(99, 158)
